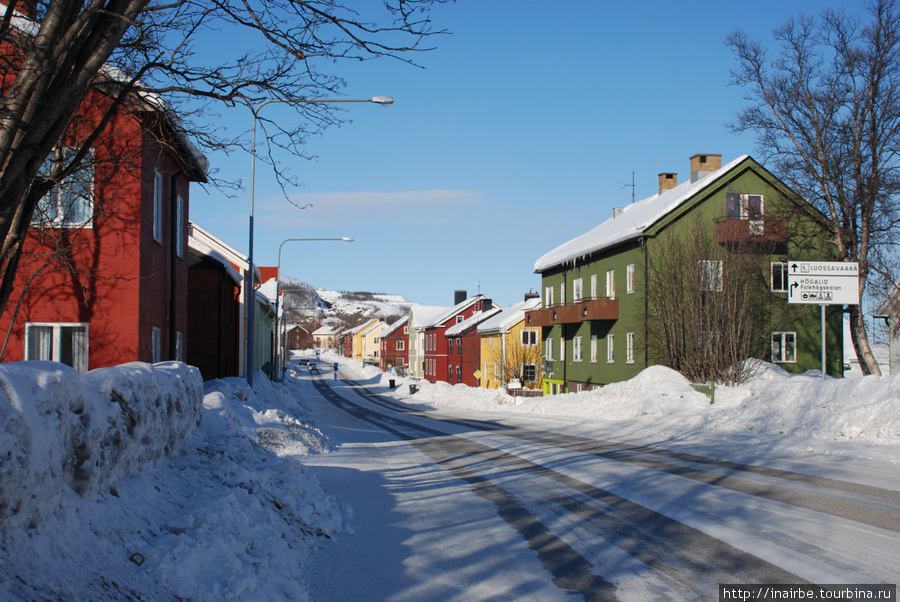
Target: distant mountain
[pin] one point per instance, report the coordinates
(347, 309)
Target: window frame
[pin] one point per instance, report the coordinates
(72, 183)
(711, 280)
(529, 337)
(782, 266)
(610, 348)
(158, 191)
(79, 363)
(784, 347)
(629, 279)
(577, 349)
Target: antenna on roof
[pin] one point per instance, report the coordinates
(624, 185)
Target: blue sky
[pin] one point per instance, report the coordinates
(520, 133)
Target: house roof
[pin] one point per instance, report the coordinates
(471, 322)
(633, 221)
(206, 251)
(392, 328)
(449, 313)
(327, 331)
(421, 315)
(509, 317)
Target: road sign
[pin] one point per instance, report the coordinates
(823, 282)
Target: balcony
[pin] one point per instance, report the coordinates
(583, 311)
(745, 231)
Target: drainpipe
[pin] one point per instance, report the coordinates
(173, 265)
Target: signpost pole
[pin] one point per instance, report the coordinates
(823, 340)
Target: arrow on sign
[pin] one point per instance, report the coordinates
(794, 267)
(793, 286)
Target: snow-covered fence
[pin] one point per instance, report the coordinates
(60, 429)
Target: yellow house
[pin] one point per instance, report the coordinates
(509, 350)
(369, 344)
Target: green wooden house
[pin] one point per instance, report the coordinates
(606, 292)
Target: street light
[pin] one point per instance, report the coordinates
(279, 359)
(248, 279)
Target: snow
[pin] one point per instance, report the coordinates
(141, 481)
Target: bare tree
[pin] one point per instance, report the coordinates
(704, 302)
(511, 358)
(175, 59)
(826, 113)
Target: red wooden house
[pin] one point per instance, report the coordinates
(395, 347)
(435, 340)
(104, 274)
(464, 348)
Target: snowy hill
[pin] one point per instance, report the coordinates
(337, 308)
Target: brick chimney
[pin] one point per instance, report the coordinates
(667, 181)
(703, 165)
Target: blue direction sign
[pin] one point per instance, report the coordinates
(823, 282)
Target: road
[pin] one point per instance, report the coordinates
(456, 505)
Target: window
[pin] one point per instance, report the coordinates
(548, 349)
(576, 349)
(157, 344)
(610, 348)
(179, 346)
(70, 203)
(529, 337)
(530, 373)
(548, 296)
(496, 371)
(629, 348)
(459, 374)
(406, 329)
(779, 277)
(577, 290)
(710, 275)
(610, 284)
(179, 228)
(748, 207)
(460, 319)
(401, 345)
(562, 293)
(66, 343)
(594, 348)
(784, 347)
(593, 286)
(629, 278)
(158, 185)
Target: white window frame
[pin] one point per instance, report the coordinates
(593, 349)
(548, 349)
(529, 337)
(530, 369)
(577, 349)
(780, 266)
(629, 279)
(710, 275)
(158, 192)
(548, 296)
(629, 347)
(610, 284)
(788, 352)
(610, 349)
(156, 345)
(179, 227)
(80, 362)
(577, 290)
(562, 293)
(400, 346)
(77, 185)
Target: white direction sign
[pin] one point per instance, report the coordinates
(823, 282)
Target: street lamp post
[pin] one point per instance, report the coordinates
(249, 277)
(279, 351)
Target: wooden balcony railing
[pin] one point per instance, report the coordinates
(582, 311)
(733, 231)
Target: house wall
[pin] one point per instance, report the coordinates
(213, 315)
(391, 356)
(119, 297)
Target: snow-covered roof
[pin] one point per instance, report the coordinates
(631, 222)
(421, 315)
(327, 331)
(202, 249)
(471, 322)
(391, 329)
(449, 313)
(509, 317)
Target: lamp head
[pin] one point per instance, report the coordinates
(383, 100)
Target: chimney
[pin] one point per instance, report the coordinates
(459, 296)
(531, 295)
(486, 304)
(703, 165)
(667, 181)
(617, 211)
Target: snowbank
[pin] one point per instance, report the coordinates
(61, 429)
